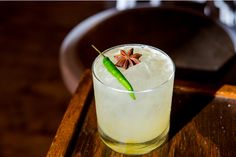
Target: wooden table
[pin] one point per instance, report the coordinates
(202, 124)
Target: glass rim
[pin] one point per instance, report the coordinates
(135, 91)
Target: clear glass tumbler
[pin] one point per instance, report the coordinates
(135, 126)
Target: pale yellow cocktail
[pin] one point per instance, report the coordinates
(134, 126)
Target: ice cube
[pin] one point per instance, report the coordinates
(153, 70)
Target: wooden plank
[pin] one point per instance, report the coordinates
(70, 120)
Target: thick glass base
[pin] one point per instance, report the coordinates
(134, 148)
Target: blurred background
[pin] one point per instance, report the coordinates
(33, 96)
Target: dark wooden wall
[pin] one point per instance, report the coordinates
(33, 97)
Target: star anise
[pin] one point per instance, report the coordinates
(127, 59)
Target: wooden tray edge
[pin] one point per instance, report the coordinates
(66, 130)
(72, 115)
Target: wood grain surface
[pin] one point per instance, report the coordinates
(202, 124)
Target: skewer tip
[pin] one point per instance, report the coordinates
(97, 50)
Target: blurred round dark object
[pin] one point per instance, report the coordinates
(194, 41)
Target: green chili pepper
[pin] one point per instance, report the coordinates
(116, 73)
